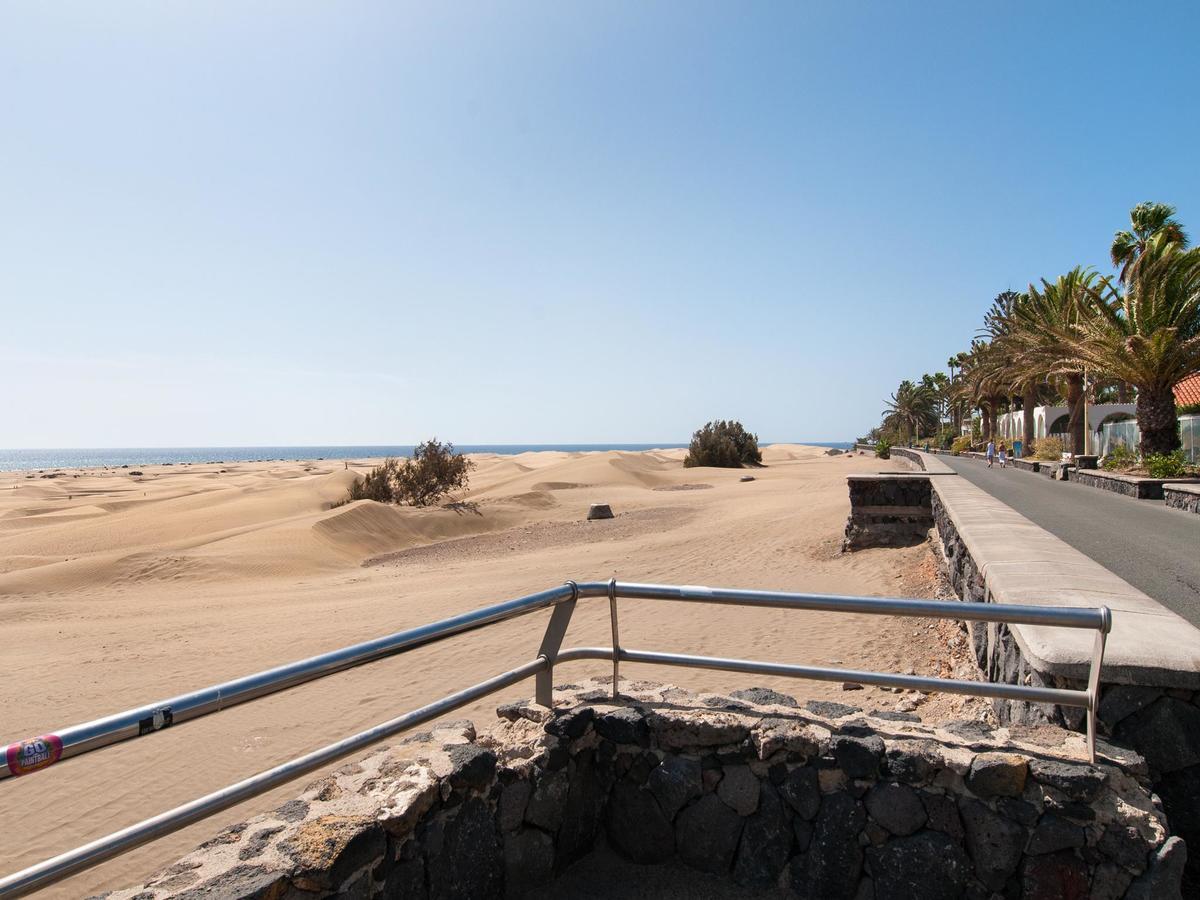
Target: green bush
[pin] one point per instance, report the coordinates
(725, 445)
(1048, 448)
(1166, 465)
(1120, 458)
(433, 471)
(960, 444)
(883, 448)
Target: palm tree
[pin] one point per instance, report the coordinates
(1147, 221)
(910, 408)
(981, 375)
(1041, 331)
(1148, 336)
(998, 325)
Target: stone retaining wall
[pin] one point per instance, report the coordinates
(1129, 485)
(1185, 497)
(820, 801)
(887, 510)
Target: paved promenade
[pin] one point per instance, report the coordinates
(1154, 548)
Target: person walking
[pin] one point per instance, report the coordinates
(1003, 456)
(991, 453)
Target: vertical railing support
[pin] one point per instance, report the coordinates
(1094, 683)
(552, 640)
(616, 639)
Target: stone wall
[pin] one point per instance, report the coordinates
(1126, 485)
(753, 790)
(1160, 723)
(887, 511)
(1185, 497)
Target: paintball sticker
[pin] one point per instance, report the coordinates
(160, 718)
(36, 753)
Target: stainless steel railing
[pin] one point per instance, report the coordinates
(33, 754)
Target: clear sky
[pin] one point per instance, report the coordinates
(265, 223)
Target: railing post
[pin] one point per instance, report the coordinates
(1094, 683)
(612, 614)
(552, 640)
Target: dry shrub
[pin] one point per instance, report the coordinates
(432, 472)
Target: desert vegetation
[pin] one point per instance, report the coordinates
(433, 472)
(723, 444)
(1079, 338)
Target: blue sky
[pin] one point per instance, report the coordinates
(267, 223)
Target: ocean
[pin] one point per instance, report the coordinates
(73, 458)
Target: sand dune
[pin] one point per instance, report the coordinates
(119, 589)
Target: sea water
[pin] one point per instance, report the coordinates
(74, 458)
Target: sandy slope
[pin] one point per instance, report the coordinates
(118, 589)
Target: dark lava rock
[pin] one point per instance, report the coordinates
(250, 882)
(1020, 811)
(943, 815)
(909, 766)
(513, 800)
(474, 766)
(1119, 701)
(293, 811)
(258, 842)
(740, 789)
(1053, 834)
(802, 791)
(1162, 880)
(970, 731)
(572, 723)
(927, 865)
(834, 856)
(1167, 733)
(1180, 792)
(803, 832)
(764, 697)
(624, 726)
(528, 861)
(674, 783)
(470, 863)
(994, 842)
(830, 710)
(548, 802)
(581, 813)
(896, 807)
(636, 825)
(1125, 845)
(706, 834)
(766, 843)
(892, 715)
(406, 878)
(858, 757)
(1077, 780)
(997, 775)
(1056, 876)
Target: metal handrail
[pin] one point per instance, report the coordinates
(93, 735)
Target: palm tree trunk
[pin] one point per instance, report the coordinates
(1122, 391)
(1158, 421)
(1028, 399)
(986, 409)
(1075, 407)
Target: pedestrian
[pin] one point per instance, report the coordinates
(991, 453)
(1003, 456)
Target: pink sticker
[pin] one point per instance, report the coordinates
(33, 754)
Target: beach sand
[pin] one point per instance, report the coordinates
(118, 589)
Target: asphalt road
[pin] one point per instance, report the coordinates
(1153, 547)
